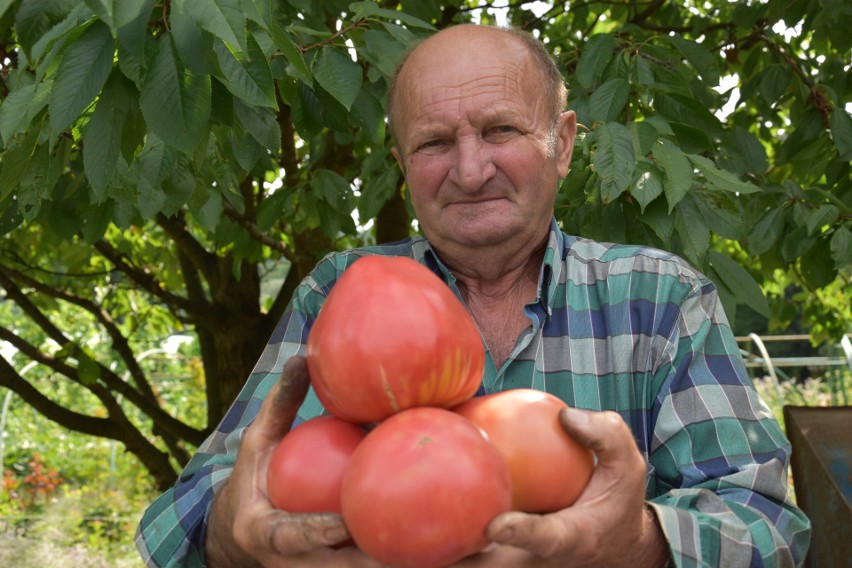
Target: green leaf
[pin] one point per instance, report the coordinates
(372, 9)
(841, 248)
(614, 160)
(660, 220)
(82, 72)
(796, 243)
(376, 192)
(15, 112)
(596, 55)
(4, 6)
(290, 51)
(818, 266)
(17, 158)
(678, 172)
(822, 217)
(382, 50)
(132, 20)
(644, 136)
(175, 102)
(88, 370)
(34, 18)
(774, 81)
(193, 45)
(723, 212)
(333, 189)
(152, 165)
(224, 19)
(271, 209)
(689, 111)
(117, 13)
(766, 232)
(647, 183)
(705, 61)
(744, 152)
(693, 231)
(206, 206)
(338, 75)
(841, 132)
(608, 100)
(740, 282)
(104, 132)
(368, 113)
(260, 123)
(248, 79)
(719, 178)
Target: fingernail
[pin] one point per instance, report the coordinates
(575, 416)
(503, 534)
(335, 534)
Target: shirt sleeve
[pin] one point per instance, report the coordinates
(718, 458)
(173, 529)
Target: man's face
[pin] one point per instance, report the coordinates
(477, 140)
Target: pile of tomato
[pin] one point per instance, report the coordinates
(417, 465)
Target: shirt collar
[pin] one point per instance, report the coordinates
(551, 267)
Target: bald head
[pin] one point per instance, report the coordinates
(469, 41)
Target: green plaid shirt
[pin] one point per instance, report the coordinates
(614, 327)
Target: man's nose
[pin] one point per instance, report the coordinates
(474, 164)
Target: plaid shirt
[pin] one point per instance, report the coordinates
(614, 327)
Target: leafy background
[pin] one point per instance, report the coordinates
(170, 169)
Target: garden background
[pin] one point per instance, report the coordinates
(170, 169)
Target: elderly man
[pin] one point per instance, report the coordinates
(691, 466)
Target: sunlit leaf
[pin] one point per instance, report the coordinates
(82, 73)
(176, 102)
(338, 75)
(678, 172)
(613, 160)
(719, 178)
(372, 9)
(706, 62)
(608, 100)
(597, 53)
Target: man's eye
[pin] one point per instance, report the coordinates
(432, 145)
(501, 131)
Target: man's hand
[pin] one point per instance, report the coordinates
(608, 525)
(244, 528)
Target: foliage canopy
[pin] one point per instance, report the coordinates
(177, 166)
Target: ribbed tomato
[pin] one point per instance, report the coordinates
(421, 489)
(307, 467)
(549, 468)
(390, 336)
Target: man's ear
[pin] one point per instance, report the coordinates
(398, 157)
(566, 132)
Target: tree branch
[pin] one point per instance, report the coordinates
(76, 421)
(204, 261)
(254, 231)
(143, 278)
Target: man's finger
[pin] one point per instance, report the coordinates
(279, 409)
(605, 433)
(294, 533)
(543, 535)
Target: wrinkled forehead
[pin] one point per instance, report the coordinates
(507, 82)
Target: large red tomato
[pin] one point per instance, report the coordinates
(390, 336)
(306, 470)
(549, 468)
(421, 489)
